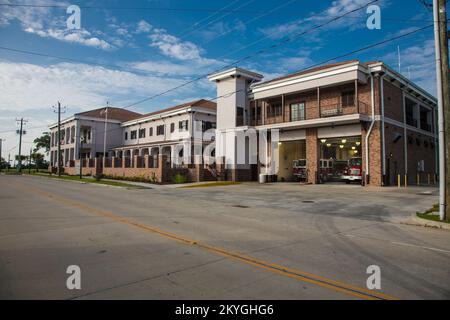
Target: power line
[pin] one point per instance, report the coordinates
(259, 52)
(323, 62)
(370, 46)
(206, 18)
(252, 20)
(57, 6)
(215, 20)
(427, 5)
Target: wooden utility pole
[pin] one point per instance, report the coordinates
(443, 92)
(20, 132)
(59, 139)
(446, 97)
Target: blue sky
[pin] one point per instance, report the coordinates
(131, 54)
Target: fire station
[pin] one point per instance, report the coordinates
(350, 122)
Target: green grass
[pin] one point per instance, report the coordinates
(90, 180)
(432, 214)
(212, 184)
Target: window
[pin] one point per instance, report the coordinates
(133, 135)
(160, 130)
(348, 98)
(275, 110)
(142, 133)
(183, 125)
(239, 117)
(172, 127)
(126, 135)
(425, 119)
(298, 111)
(409, 110)
(206, 125)
(150, 132)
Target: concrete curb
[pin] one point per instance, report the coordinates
(427, 223)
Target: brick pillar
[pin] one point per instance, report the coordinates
(135, 161)
(113, 162)
(146, 161)
(312, 155)
(199, 170)
(163, 167)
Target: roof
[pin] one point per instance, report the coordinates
(196, 103)
(306, 71)
(113, 114)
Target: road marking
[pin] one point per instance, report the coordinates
(334, 285)
(400, 243)
(422, 247)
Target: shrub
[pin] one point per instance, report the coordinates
(179, 178)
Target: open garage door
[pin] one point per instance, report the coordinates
(340, 159)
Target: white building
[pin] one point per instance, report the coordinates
(89, 125)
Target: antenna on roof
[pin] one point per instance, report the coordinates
(399, 60)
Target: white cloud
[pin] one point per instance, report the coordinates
(29, 86)
(417, 61)
(143, 27)
(173, 47)
(42, 22)
(338, 7)
(74, 36)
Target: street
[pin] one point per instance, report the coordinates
(248, 241)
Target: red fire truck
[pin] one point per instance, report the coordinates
(353, 171)
(299, 169)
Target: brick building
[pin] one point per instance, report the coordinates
(327, 117)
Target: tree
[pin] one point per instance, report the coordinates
(38, 159)
(42, 142)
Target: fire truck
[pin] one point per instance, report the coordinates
(353, 170)
(299, 169)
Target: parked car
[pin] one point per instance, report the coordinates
(353, 170)
(299, 169)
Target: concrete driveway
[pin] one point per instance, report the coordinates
(247, 241)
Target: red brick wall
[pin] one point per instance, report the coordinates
(393, 102)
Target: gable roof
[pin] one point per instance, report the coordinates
(113, 114)
(196, 103)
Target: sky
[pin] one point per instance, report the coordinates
(126, 52)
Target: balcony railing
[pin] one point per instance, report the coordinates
(309, 113)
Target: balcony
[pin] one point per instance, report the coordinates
(310, 113)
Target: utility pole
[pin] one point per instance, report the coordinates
(1, 161)
(106, 126)
(29, 162)
(20, 132)
(443, 92)
(59, 139)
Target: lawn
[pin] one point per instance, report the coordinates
(432, 214)
(89, 180)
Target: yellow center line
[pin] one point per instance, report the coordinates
(334, 285)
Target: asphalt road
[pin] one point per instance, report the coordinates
(237, 242)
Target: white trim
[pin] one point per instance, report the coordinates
(347, 119)
(354, 66)
(407, 126)
(168, 114)
(235, 72)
